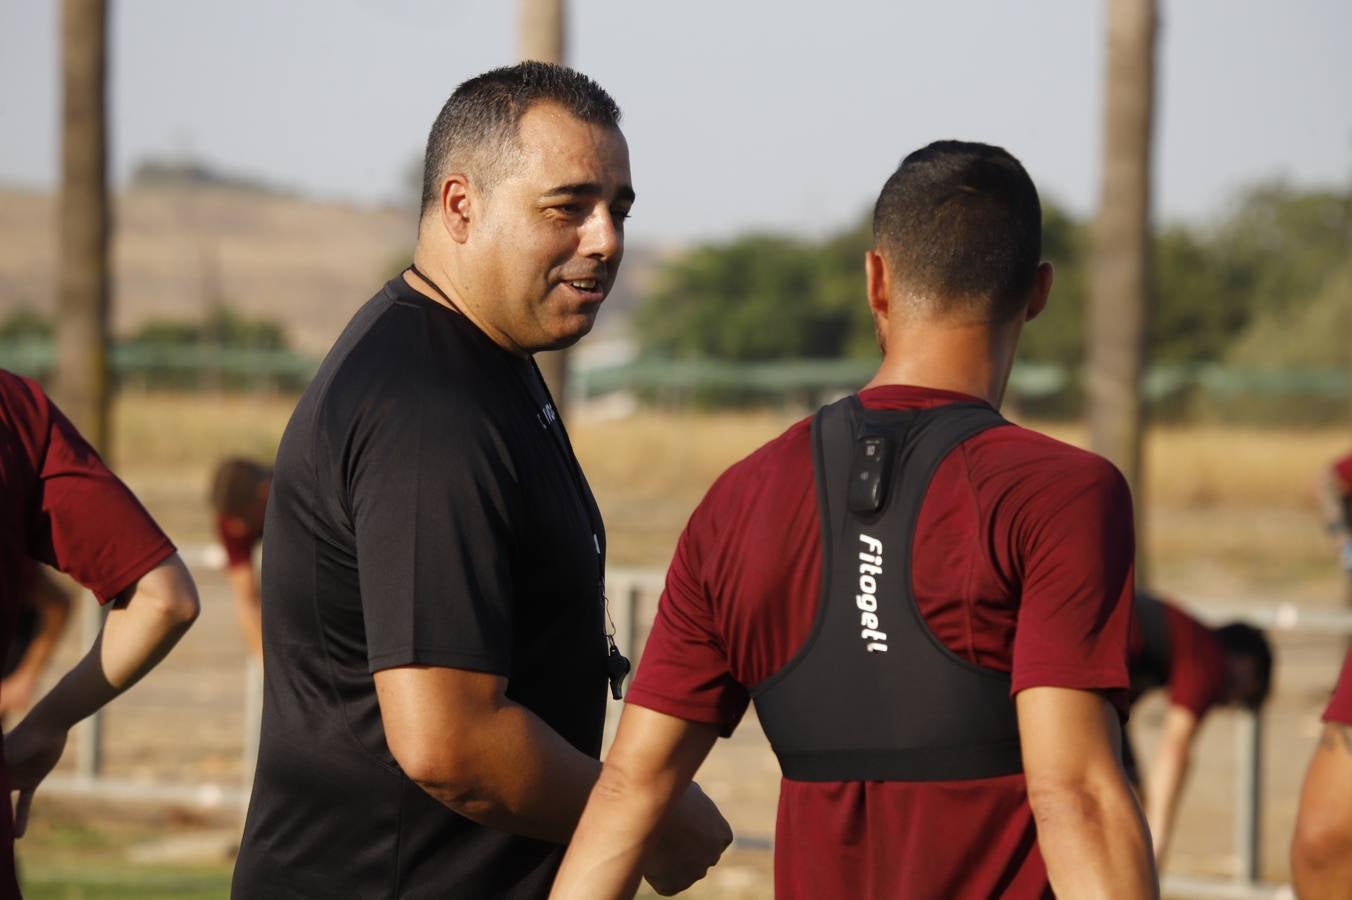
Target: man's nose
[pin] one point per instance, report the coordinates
(602, 236)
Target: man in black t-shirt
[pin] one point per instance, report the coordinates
(433, 569)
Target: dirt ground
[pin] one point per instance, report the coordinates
(1216, 533)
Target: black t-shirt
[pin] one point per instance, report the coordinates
(425, 509)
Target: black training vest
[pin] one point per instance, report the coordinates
(873, 695)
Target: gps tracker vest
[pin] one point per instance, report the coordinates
(873, 695)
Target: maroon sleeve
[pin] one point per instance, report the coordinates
(1340, 707)
(1077, 542)
(1197, 663)
(237, 541)
(684, 670)
(83, 521)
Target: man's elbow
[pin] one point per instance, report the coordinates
(169, 594)
(1058, 801)
(451, 777)
(178, 606)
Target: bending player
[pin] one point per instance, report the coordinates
(1202, 668)
(61, 506)
(1321, 850)
(239, 499)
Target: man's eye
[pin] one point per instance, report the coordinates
(619, 215)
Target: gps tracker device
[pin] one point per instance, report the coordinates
(869, 472)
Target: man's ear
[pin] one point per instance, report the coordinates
(1042, 287)
(456, 206)
(879, 281)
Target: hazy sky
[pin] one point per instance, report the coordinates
(739, 114)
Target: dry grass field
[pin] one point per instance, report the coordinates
(1231, 518)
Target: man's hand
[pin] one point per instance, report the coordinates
(644, 786)
(690, 845)
(31, 752)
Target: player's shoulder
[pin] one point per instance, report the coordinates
(411, 357)
(1039, 459)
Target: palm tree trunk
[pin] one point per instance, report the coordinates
(542, 38)
(83, 386)
(1120, 280)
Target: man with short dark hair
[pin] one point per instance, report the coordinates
(928, 605)
(434, 627)
(1201, 668)
(62, 507)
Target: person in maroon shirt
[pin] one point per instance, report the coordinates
(1321, 848)
(1019, 570)
(239, 498)
(59, 505)
(1200, 667)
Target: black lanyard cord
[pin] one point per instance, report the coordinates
(616, 664)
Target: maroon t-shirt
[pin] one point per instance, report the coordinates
(61, 506)
(1197, 664)
(1340, 707)
(1022, 563)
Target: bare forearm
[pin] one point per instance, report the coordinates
(1321, 849)
(619, 828)
(526, 778)
(1095, 844)
(248, 606)
(136, 635)
(1168, 771)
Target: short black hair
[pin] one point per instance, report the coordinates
(476, 128)
(1239, 639)
(960, 226)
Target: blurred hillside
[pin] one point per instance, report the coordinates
(187, 240)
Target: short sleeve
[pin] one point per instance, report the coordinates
(1078, 547)
(84, 521)
(1340, 707)
(684, 671)
(433, 498)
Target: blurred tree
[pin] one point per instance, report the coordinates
(83, 381)
(223, 327)
(761, 297)
(1120, 277)
(1058, 334)
(26, 324)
